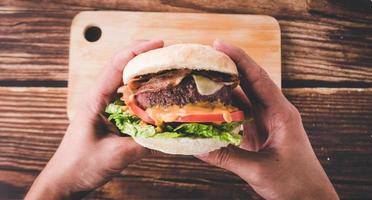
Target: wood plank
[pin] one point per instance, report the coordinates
(239, 6)
(34, 46)
(318, 44)
(33, 121)
(359, 10)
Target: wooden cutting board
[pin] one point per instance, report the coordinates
(96, 35)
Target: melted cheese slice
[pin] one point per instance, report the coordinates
(206, 86)
(171, 113)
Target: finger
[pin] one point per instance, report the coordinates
(108, 127)
(253, 139)
(241, 100)
(128, 151)
(250, 139)
(236, 160)
(131, 44)
(111, 77)
(255, 82)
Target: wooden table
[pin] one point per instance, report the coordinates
(327, 74)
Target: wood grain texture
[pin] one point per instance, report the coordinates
(323, 42)
(33, 121)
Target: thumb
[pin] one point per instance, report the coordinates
(128, 151)
(239, 161)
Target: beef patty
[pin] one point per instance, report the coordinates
(182, 94)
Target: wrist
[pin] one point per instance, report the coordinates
(314, 189)
(49, 184)
(321, 191)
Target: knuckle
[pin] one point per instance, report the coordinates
(295, 114)
(281, 117)
(116, 58)
(114, 146)
(222, 157)
(276, 121)
(259, 74)
(155, 153)
(93, 107)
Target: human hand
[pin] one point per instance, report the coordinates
(89, 154)
(276, 157)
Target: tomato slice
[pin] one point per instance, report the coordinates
(218, 117)
(140, 112)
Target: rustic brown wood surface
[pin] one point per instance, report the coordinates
(33, 121)
(325, 43)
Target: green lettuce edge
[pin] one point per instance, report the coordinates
(134, 126)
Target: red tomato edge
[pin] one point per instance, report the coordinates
(140, 113)
(236, 116)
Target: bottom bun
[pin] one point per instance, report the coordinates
(182, 146)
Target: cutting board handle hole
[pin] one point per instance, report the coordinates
(92, 33)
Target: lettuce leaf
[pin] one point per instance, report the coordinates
(128, 123)
(132, 125)
(222, 132)
(166, 135)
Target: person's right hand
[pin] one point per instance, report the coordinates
(276, 157)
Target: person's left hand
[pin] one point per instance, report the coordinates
(90, 154)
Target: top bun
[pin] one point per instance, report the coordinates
(179, 56)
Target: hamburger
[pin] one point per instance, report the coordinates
(177, 100)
